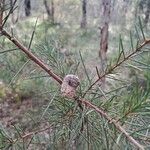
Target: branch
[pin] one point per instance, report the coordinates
(32, 56)
(102, 113)
(27, 135)
(118, 64)
(112, 121)
(35, 132)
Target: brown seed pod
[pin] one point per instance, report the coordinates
(69, 86)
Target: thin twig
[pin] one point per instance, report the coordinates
(33, 32)
(112, 121)
(27, 135)
(9, 50)
(1, 13)
(118, 64)
(35, 132)
(10, 11)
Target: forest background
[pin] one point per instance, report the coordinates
(106, 43)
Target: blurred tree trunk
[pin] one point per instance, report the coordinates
(144, 8)
(50, 10)
(2, 3)
(125, 10)
(147, 13)
(27, 5)
(105, 19)
(84, 20)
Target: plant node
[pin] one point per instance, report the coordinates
(69, 86)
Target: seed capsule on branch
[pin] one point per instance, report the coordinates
(69, 86)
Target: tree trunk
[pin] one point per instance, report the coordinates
(84, 20)
(124, 10)
(47, 8)
(105, 19)
(27, 5)
(147, 13)
(50, 10)
(2, 3)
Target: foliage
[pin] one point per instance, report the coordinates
(54, 122)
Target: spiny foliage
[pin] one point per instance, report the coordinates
(58, 123)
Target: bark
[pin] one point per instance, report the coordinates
(147, 13)
(50, 10)
(84, 14)
(105, 19)
(47, 8)
(125, 10)
(27, 5)
(104, 32)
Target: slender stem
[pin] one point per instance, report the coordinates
(35, 132)
(27, 135)
(1, 13)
